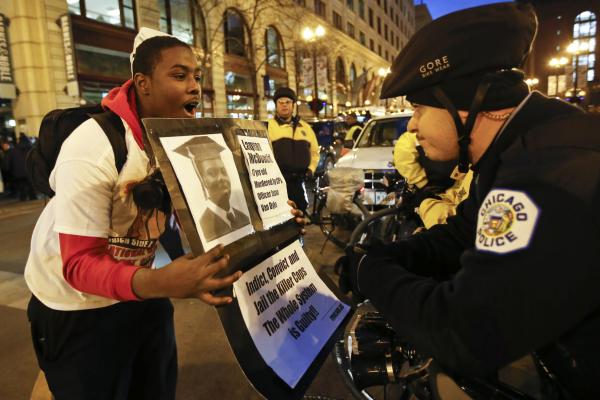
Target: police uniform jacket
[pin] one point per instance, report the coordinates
(295, 147)
(517, 269)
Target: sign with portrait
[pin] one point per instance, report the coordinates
(208, 176)
(226, 188)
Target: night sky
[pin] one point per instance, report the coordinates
(437, 8)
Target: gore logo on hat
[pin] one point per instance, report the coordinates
(433, 66)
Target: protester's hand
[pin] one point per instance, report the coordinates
(298, 216)
(187, 277)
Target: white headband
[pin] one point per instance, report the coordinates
(143, 35)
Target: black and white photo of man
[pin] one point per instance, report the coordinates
(220, 217)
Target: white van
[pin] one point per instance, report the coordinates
(373, 152)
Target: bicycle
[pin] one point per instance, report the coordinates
(375, 363)
(339, 228)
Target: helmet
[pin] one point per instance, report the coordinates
(470, 66)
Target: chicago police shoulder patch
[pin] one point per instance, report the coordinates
(506, 221)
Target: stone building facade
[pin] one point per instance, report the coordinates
(63, 53)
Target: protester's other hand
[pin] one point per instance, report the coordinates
(187, 277)
(298, 216)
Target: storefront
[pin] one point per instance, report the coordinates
(8, 89)
(98, 38)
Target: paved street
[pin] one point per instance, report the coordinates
(207, 367)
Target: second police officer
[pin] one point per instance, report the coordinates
(294, 145)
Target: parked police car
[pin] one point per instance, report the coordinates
(373, 152)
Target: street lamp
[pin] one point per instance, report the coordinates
(576, 48)
(312, 36)
(531, 82)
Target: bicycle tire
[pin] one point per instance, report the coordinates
(332, 225)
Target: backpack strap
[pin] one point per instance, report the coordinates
(113, 127)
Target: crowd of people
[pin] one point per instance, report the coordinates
(14, 182)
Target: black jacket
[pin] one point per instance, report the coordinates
(518, 268)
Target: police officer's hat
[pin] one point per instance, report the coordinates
(284, 92)
(462, 48)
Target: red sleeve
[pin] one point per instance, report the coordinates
(89, 268)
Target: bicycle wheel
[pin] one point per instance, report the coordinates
(336, 227)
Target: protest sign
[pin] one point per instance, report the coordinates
(268, 184)
(289, 312)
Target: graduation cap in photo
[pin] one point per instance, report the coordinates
(200, 148)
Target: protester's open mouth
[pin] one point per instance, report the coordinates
(190, 108)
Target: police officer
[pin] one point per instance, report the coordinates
(516, 270)
(354, 128)
(294, 145)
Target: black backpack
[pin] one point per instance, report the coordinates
(56, 126)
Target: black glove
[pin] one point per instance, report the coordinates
(422, 194)
(347, 267)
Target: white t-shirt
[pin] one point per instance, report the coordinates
(91, 199)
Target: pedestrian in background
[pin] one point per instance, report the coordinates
(17, 168)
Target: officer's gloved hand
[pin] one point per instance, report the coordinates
(348, 266)
(422, 194)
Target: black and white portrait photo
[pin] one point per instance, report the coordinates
(206, 171)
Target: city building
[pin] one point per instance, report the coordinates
(422, 15)
(563, 61)
(63, 53)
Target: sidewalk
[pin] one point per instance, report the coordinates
(10, 206)
(207, 366)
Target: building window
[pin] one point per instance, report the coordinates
(352, 75)
(350, 4)
(337, 20)
(371, 44)
(113, 12)
(385, 30)
(584, 33)
(371, 17)
(379, 49)
(361, 9)
(301, 3)
(379, 25)
(362, 39)
(235, 35)
(176, 19)
(350, 30)
(320, 8)
(387, 55)
(274, 45)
